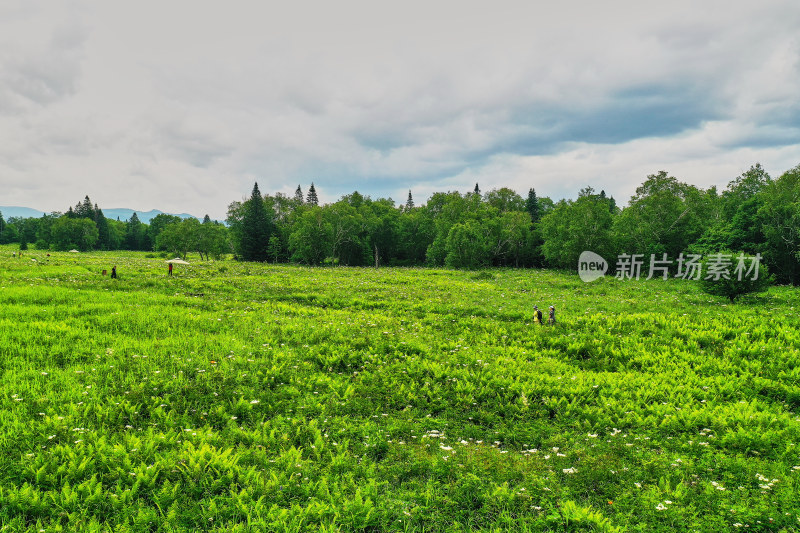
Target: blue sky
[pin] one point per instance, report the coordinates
(181, 106)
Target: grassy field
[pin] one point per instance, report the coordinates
(249, 397)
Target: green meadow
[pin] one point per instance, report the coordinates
(252, 397)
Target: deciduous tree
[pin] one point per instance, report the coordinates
(213, 241)
(573, 227)
(467, 246)
(309, 241)
(158, 223)
(664, 216)
(505, 200)
(69, 233)
(780, 218)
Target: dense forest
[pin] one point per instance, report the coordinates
(755, 214)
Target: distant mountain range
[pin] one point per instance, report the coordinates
(122, 214)
(144, 216)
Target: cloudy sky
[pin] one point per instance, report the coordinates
(182, 105)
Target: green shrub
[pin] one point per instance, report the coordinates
(744, 275)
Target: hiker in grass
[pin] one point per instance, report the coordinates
(552, 319)
(169, 270)
(114, 272)
(537, 315)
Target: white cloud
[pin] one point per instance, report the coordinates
(181, 106)
(693, 158)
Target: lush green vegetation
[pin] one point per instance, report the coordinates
(754, 215)
(249, 397)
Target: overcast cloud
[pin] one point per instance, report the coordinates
(181, 106)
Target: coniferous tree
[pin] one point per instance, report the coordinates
(298, 195)
(410, 201)
(311, 197)
(256, 228)
(206, 219)
(134, 233)
(103, 233)
(477, 190)
(532, 206)
(84, 209)
(738, 282)
(612, 204)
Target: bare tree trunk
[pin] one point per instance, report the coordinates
(376, 255)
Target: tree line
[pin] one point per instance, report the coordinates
(754, 214)
(84, 227)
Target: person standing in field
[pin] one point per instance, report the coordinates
(169, 270)
(114, 272)
(552, 319)
(537, 315)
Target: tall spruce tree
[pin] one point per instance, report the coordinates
(532, 206)
(311, 197)
(256, 228)
(134, 233)
(410, 201)
(477, 189)
(84, 209)
(298, 195)
(103, 233)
